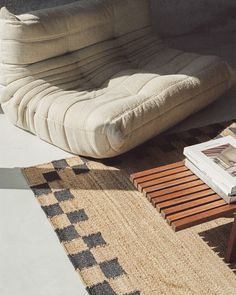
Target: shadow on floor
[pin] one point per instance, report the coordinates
(12, 178)
(72, 179)
(167, 148)
(161, 150)
(94, 179)
(217, 239)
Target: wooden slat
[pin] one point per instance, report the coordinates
(156, 170)
(203, 217)
(165, 179)
(169, 184)
(181, 197)
(183, 200)
(144, 179)
(189, 205)
(181, 193)
(170, 190)
(194, 211)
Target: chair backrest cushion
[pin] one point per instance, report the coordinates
(46, 33)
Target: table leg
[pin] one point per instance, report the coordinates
(231, 247)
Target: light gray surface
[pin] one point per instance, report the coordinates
(32, 261)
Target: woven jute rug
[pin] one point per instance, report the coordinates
(116, 241)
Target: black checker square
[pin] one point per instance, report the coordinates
(67, 234)
(60, 164)
(94, 240)
(41, 189)
(80, 169)
(101, 289)
(112, 268)
(51, 176)
(84, 259)
(63, 195)
(52, 210)
(77, 216)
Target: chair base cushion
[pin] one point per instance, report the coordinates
(105, 95)
(134, 106)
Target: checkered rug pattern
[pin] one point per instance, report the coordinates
(58, 185)
(63, 210)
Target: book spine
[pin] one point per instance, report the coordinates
(209, 182)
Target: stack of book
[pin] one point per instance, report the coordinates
(214, 162)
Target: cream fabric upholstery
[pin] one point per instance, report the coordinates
(91, 78)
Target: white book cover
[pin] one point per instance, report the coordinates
(217, 160)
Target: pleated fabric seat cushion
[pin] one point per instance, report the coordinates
(92, 78)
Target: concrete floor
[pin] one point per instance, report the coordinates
(32, 262)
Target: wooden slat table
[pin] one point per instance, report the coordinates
(180, 196)
(183, 199)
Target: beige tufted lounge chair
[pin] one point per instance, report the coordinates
(91, 78)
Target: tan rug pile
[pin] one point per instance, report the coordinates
(116, 240)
